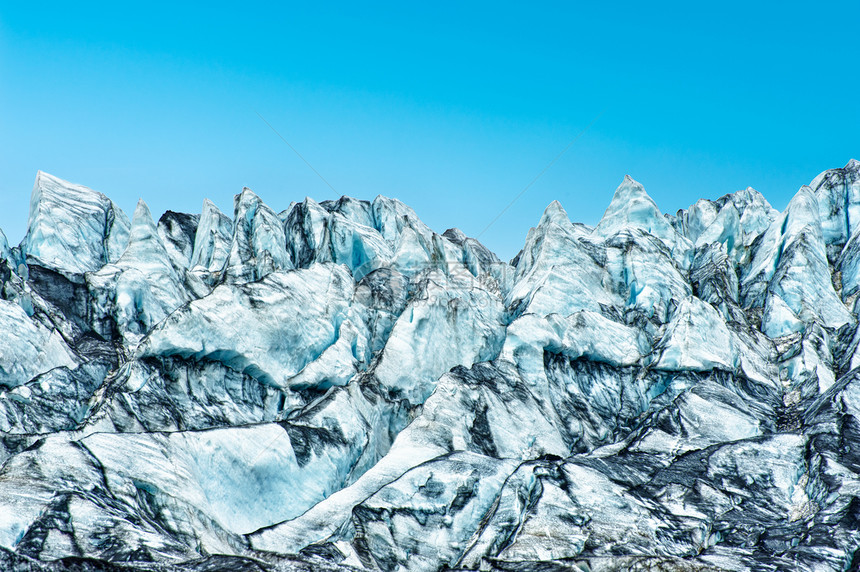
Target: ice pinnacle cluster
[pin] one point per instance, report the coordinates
(337, 387)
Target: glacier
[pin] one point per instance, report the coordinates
(336, 386)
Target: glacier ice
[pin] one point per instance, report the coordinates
(838, 194)
(259, 246)
(34, 349)
(559, 271)
(295, 317)
(211, 240)
(141, 288)
(336, 386)
(447, 325)
(73, 229)
(697, 339)
(632, 208)
(178, 232)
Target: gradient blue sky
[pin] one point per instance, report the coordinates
(451, 107)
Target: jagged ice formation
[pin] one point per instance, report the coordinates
(337, 387)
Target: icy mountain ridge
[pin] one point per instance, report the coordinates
(337, 385)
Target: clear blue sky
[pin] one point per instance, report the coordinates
(452, 107)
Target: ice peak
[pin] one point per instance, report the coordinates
(629, 197)
(141, 212)
(631, 188)
(309, 205)
(143, 227)
(145, 247)
(391, 216)
(554, 213)
(209, 206)
(750, 196)
(212, 239)
(211, 217)
(245, 199)
(47, 180)
(631, 206)
(852, 165)
(391, 200)
(395, 206)
(51, 183)
(43, 179)
(72, 228)
(258, 243)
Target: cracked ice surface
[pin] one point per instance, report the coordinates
(336, 386)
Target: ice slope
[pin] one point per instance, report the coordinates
(31, 348)
(296, 317)
(339, 387)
